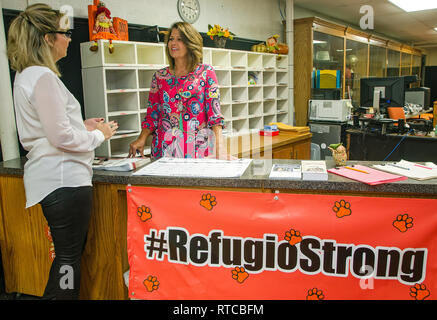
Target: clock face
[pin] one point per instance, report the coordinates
(189, 10)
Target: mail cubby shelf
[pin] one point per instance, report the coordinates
(254, 87)
(240, 126)
(269, 78)
(254, 61)
(239, 59)
(225, 95)
(223, 78)
(281, 62)
(269, 119)
(240, 111)
(255, 94)
(239, 94)
(239, 78)
(256, 109)
(226, 110)
(220, 58)
(149, 54)
(281, 117)
(145, 78)
(281, 78)
(282, 92)
(120, 79)
(269, 61)
(282, 106)
(256, 123)
(269, 107)
(122, 102)
(269, 92)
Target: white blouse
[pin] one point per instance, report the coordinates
(50, 127)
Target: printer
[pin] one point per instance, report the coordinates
(330, 110)
(420, 96)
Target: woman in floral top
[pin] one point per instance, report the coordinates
(183, 112)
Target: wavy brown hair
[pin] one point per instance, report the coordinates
(192, 40)
(27, 45)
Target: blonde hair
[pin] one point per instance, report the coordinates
(192, 40)
(26, 43)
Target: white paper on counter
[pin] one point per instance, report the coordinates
(196, 168)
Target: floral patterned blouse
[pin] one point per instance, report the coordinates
(182, 111)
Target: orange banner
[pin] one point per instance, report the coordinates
(196, 244)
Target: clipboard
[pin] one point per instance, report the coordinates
(369, 176)
(409, 169)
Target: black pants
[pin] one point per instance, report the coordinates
(67, 211)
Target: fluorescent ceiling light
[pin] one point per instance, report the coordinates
(318, 41)
(415, 5)
(435, 29)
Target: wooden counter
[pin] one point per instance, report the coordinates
(25, 247)
(286, 145)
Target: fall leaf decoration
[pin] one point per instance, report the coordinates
(217, 31)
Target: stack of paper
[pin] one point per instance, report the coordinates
(314, 170)
(203, 168)
(410, 169)
(366, 175)
(286, 171)
(128, 164)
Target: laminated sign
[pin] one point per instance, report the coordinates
(200, 244)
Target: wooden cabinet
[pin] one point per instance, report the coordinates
(285, 152)
(286, 145)
(323, 45)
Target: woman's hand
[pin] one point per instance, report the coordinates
(138, 145)
(91, 123)
(108, 129)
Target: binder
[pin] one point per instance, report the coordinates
(328, 79)
(371, 177)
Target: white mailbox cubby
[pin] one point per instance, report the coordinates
(121, 102)
(117, 86)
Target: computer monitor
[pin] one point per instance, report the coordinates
(392, 91)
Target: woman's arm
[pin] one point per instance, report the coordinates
(50, 104)
(149, 123)
(220, 145)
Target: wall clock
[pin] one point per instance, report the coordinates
(189, 10)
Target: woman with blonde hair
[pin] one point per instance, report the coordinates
(183, 111)
(60, 145)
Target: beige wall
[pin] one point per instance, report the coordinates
(431, 56)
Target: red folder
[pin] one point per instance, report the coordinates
(369, 176)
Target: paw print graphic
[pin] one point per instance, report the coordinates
(315, 294)
(403, 222)
(293, 237)
(239, 274)
(208, 201)
(151, 283)
(342, 208)
(419, 292)
(144, 213)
